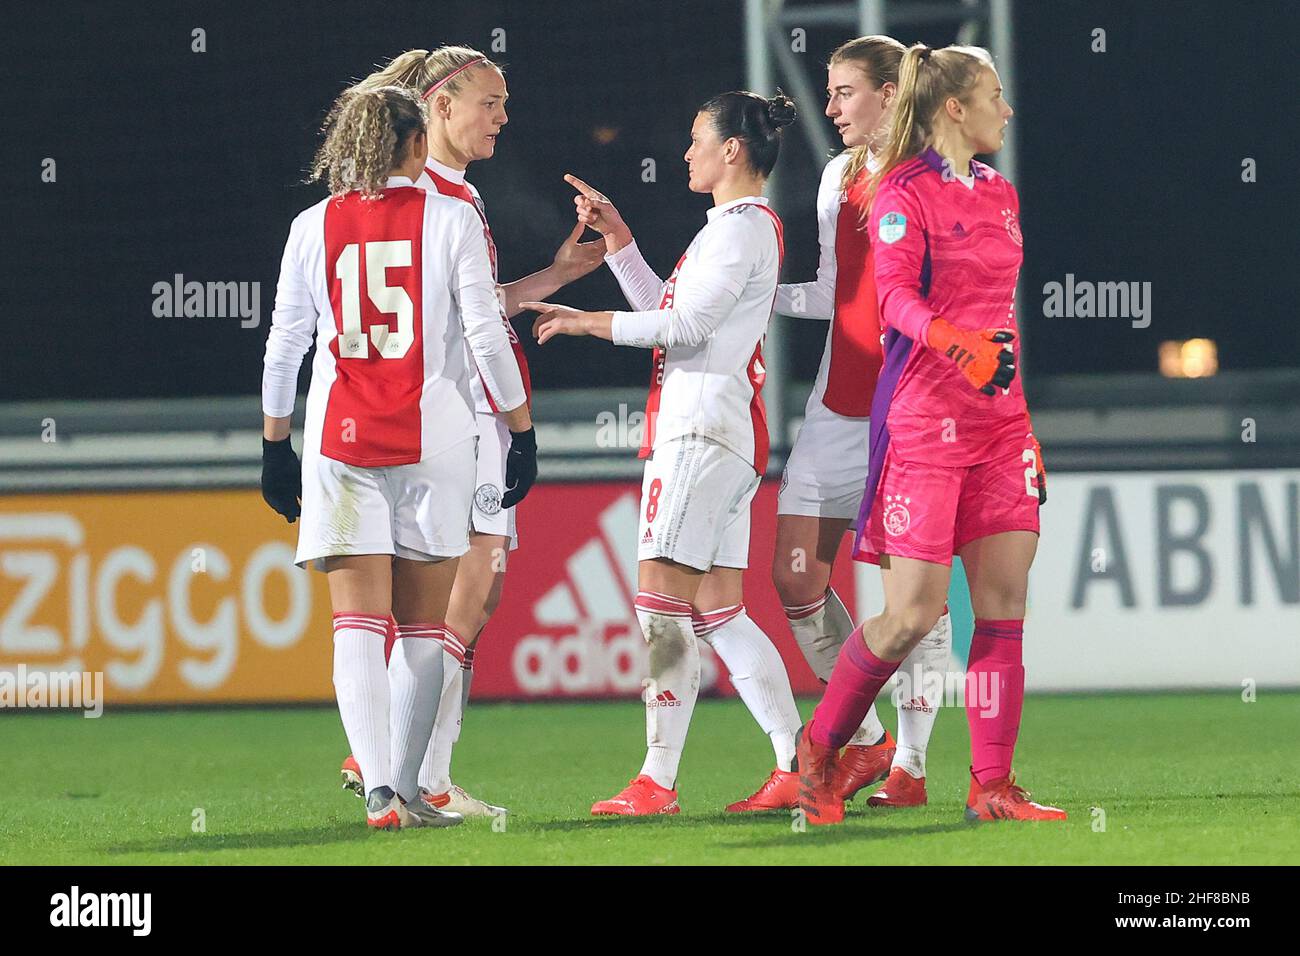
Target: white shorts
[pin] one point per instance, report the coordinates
(419, 511)
(493, 444)
(826, 472)
(695, 499)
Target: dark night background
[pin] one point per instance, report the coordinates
(177, 162)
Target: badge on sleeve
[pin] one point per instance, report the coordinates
(893, 226)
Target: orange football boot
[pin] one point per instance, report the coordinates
(818, 798)
(1002, 800)
(436, 800)
(861, 765)
(642, 797)
(351, 773)
(780, 791)
(901, 789)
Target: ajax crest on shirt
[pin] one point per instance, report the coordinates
(896, 517)
(487, 498)
(893, 226)
(1012, 222)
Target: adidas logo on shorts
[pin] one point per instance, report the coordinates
(666, 699)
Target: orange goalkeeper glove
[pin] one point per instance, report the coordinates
(984, 357)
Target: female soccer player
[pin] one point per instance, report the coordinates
(955, 469)
(466, 96)
(821, 489)
(396, 282)
(706, 434)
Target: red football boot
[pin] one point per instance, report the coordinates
(1003, 800)
(818, 798)
(642, 797)
(780, 791)
(862, 765)
(901, 789)
(351, 773)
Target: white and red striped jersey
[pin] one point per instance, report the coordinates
(451, 182)
(844, 292)
(706, 325)
(394, 289)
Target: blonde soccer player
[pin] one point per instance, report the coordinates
(395, 284)
(826, 472)
(958, 470)
(466, 95)
(705, 440)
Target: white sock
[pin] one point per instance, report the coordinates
(921, 694)
(435, 771)
(673, 684)
(361, 686)
(757, 673)
(820, 629)
(415, 682)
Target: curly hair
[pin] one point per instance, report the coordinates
(366, 132)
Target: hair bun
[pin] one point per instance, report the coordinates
(780, 111)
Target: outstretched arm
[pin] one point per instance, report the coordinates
(573, 260)
(727, 253)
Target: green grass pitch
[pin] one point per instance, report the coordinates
(1180, 778)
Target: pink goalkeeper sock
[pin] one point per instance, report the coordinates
(854, 684)
(995, 696)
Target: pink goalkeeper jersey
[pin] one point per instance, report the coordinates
(945, 248)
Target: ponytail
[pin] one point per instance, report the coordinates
(428, 71)
(926, 79)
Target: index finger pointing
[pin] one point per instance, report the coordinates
(583, 188)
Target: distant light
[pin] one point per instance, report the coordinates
(604, 135)
(1193, 358)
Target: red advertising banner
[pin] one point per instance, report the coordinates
(566, 627)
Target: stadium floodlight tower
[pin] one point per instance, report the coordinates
(770, 61)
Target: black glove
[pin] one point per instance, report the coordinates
(521, 467)
(281, 478)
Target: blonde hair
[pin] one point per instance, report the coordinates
(366, 133)
(926, 79)
(878, 58)
(428, 71)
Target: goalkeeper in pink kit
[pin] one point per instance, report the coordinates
(955, 468)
